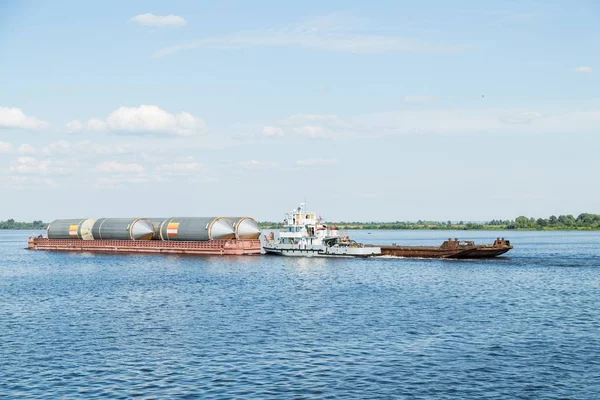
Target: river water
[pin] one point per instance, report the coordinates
(525, 326)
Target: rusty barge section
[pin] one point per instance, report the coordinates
(456, 249)
(210, 247)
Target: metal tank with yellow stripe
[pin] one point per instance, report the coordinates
(75, 228)
(196, 229)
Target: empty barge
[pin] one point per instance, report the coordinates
(451, 248)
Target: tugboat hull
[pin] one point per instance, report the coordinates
(324, 251)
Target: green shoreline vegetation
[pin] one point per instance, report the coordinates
(583, 222)
(12, 224)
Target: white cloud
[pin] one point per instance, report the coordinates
(30, 165)
(115, 167)
(96, 125)
(123, 180)
(34, 166)
(419, 99)
(60, 147)
(193, 171)
(441, 122)
(6, 147)
(313, 126)
(26, 181)
(525, 117)
(203, 179)
(85, 148)
(26, 149)
(144, 119)
(312, 162)
(586, 69)
(461, 122)
(159, 21)
(272, 131)
(311, 131)
(12, 117)
(315, 118)
(179, 167)
(258, 165)
(336, 32)
(74, 126)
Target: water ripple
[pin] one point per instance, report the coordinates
(98, 326)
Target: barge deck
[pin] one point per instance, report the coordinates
(449, 249)
(210, 247)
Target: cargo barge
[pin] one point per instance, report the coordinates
(174, 235)
(451, 248)
(209, 247)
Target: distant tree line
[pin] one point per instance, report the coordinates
(583, 221)
(12, 224)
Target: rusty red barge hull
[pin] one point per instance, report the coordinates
(211, 247)
(437, 252)
(450, 249)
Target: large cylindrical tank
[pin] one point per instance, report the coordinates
(156, 223)
(245, 227)
(77, 228)
(123, 229)
(196, 229)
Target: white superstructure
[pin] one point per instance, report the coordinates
(305, 235)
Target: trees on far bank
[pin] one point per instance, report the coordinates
(564, 222)
(583, 221)
(12, 224)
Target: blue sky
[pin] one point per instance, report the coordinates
(386, 111)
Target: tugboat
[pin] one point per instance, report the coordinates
(305, 235)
